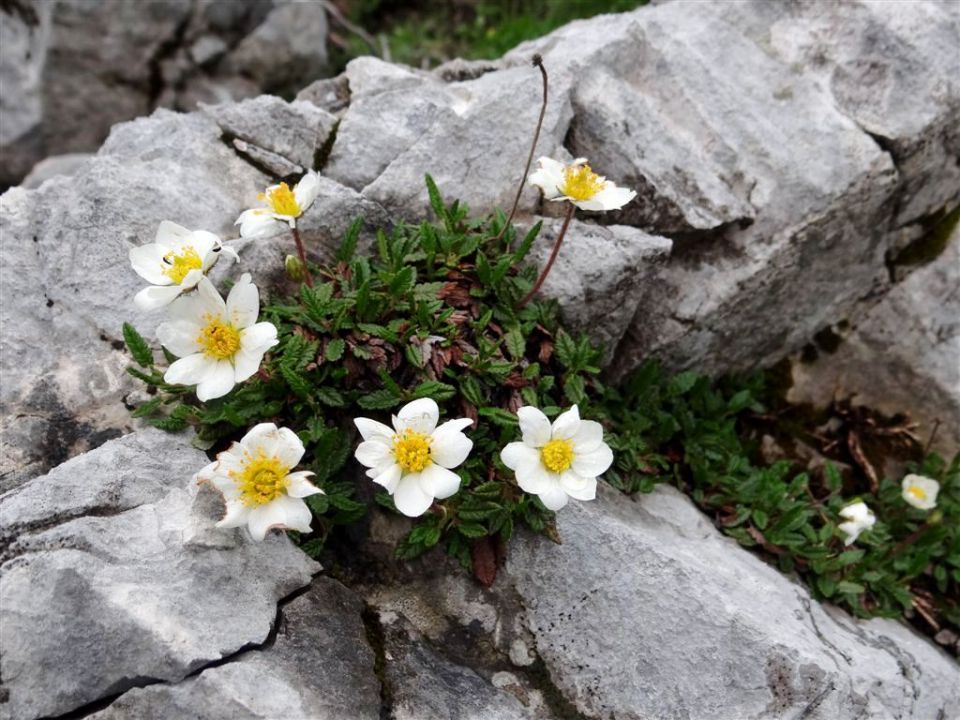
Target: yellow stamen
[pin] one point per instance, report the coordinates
(580, 182)
(262, 479)
(177, 265)
(411, 450)
(557, 455)
(281, 200)
(219, 340)
(917, 492)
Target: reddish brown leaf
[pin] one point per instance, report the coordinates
(484, 561)
(546, 351)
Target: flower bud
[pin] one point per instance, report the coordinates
(295, 269)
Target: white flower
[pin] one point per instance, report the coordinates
(174, 263)
(255, 478)
(577, 183)
(859, 518)
(413, 460)
(282, 205)
(920, 491)
(219, 343)
(559, 462)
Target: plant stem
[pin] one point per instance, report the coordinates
(303, 256)
(538, 63)
(553, 257)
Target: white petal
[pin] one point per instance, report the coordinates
(208, 300)
(207, 472)
(147, 262)
(170, 235)
(370, 429)
(203, 242)
(612, 197)
(534, 426)
(238, 514)
(258, 223)
(217, 383)
(246, 363)
(300, 486)
(189, 370)
(389, 478)
(373, 453)
(306, 190)
(243, 303)
(409, 496)
(284, 512)
(156, 296)
(289, 448)
(553, 497)
(439, 482)
(262, 438)
(450, 446)
(535, 478)
(517, 454)
(179, 337)
(258, 338)
(420, 415)
(191, 279)
(548, 177)
(588, 437)
(578, 487)
(567, 425)
(593, 464)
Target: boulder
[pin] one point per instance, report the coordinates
(318, 665)
(114, 577)
(901, 354)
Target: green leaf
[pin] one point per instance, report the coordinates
(527, 242)
(565, 349)
(515, 342)
(146, 408)
(852, 588)
(349, 245)
(436, 199)
(683, 383)
(137, 346)
(329, 396)
(574, 389)
(436, 390)
(499, 416)
(472, 530)
(334, 350)
(378, 400)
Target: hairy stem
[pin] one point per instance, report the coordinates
(537, 62)
(303, 256)
(553, 257)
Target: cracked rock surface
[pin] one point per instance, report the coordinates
(114, 577)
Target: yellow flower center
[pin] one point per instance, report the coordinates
(411, 450)
(557, 455)
(281, 200)
(580, 182)
(218, 339)
(262, 480)
(179, 264)
(918, 492)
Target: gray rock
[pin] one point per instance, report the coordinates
(319, 666)
(55, 165)
(692, 626)
(135, 584)
(903, 355)
(423, 685)
(296, 131)
(600, 275)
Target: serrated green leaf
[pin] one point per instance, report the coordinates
(334, 349)
(138, 347)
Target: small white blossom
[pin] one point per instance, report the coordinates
(561, 461)
(281, 205)
(414, 459)
(920, 491)
(859, 518)
(577, 183)
(219, 343)
(256, 479)
(174, 263)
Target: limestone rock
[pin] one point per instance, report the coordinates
(68, 164)
(902, 355)
(319, 666)
(132, 584)
(703, 628)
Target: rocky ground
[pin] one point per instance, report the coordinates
(793, 162)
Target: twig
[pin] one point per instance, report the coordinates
(538, 63)
(933, 435)
(335, 13)
(553, 257)
(303, 256)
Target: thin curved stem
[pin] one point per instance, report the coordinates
(537, 62)
(553, 257)
(303, 256)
